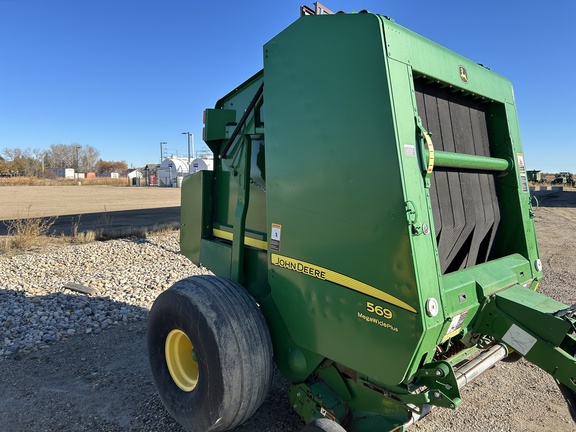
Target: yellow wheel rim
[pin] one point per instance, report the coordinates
(181, 360)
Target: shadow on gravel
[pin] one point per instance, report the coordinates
(555, 199)
(116, 220)
(146, 240)
(97, 381)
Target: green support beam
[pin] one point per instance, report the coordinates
(472, 162)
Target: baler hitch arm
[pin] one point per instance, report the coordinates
(537, 327)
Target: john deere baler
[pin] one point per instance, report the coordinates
(369, 224)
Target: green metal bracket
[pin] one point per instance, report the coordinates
(215, 121)
(536, 326)
(412, 216)
(442, 387)
(243, 174)
(256, 102)
(316, 401)
(331, 376)
(426, 151)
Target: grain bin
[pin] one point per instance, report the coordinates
(170, 169)
(200, 164)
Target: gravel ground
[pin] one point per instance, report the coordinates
(76, 362)
(35, 309)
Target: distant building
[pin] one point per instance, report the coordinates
(133, 173)
(63, 172)
(108, 175)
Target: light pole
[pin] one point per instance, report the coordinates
(77, 162)
(161, 154)
(190, 135)
(43, 156)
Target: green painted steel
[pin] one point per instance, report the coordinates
(335, 208)
(471, 162)
(328, 203)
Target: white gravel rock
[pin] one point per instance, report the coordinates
(127, 274)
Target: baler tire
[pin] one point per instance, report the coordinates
(210, 353)
(323, 425)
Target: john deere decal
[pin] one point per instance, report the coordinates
(463, 74)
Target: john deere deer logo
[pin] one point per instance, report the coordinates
(463, 74)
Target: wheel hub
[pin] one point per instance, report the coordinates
(181, 360)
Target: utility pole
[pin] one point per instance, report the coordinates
(77, 162)
(190, 135)
(161, 154)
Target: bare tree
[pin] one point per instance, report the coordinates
(61, 156)
(71, 156)
(88, 158)
(17, 161)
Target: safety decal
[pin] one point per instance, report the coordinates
(455, 325)
(336, 278)
(275, 234)
(521, 162)
(522, 169)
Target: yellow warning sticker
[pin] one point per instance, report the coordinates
(275, 234)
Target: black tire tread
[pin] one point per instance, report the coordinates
(323, 425)
(245, 348)
(228, 292)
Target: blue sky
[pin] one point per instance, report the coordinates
(124, 75)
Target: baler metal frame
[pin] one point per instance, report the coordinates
(453, 287)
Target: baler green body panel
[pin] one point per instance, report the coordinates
(370, 193)
(349, 211)
(341, 204)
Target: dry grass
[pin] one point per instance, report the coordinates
(27, 233)
(30, 234)
(77, 236)
(35, 181)
(143, 232)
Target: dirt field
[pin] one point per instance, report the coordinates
(91, 208)
(58, 389)
(36, 201)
